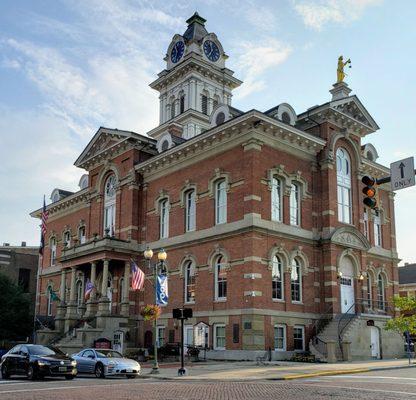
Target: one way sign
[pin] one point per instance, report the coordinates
(402, 174)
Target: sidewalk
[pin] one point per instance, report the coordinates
(279, 370)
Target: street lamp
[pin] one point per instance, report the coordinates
(161, 256)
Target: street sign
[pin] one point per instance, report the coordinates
(402, 174)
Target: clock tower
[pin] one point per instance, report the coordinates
(194, 83)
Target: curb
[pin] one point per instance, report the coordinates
(280, 378)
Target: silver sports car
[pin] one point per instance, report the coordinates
(102, 363)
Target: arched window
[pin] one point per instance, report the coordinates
(369, 292)
(172, 109)
(344, 186)
(49, 301)
(82, 235)
(377, 230)
(67, 239)
(204, 104)
(277, 279)
(53, 251)
(276, 199)
(164, 218)
(110, 205)
(294, 204)
(182, 103)
(381, 293)
(190, 208)
(189, 282)
(220, 202)
(296, 281)
(220, 278)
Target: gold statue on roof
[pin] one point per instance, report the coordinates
(340, 70)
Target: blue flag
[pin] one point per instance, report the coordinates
(162, 290)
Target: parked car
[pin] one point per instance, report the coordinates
(103, 362)
(37, 361)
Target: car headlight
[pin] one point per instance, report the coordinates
(73, 363)
(42, 363)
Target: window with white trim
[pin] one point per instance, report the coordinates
(160, 336)
(189, 282)
(53, 251)
(296, 281)
(277, 199)
(381, 293)
(220, 278)
(365, 223)
(280, 337)
(377, 230)
(369, 291)
(219, 337)
(344, 186)
(67, 239)
(82, 235)
(164, 218)
(190, 211)
(110, 205)
(299, 338)
(277, 278)
(294, 204)
(220, 202)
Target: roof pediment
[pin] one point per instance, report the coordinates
(352, 107)
(349, 236)
(107, 142)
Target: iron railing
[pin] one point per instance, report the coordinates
(72, 330)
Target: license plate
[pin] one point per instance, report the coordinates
(62, 369)
(129, 370)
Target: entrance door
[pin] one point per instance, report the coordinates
(347, 295)
(375, 342)
(188, 337)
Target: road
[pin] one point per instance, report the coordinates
(393, 384)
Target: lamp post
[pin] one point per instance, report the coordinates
(161, 256)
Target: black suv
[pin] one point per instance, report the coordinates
(36, 361)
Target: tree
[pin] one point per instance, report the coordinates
(15, 311)
(406, 320)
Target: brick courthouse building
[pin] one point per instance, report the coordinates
(260, 214)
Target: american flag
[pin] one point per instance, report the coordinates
(137, 279)
(44, 218)
(88, 288)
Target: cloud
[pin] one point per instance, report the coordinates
(255, 59)
(316, 14)
(260, 17)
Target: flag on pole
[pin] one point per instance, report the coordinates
(44, 218)
(137, 278)
(88, 289)
(162, 290)
(53, 295)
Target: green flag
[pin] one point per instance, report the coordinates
(54, 296)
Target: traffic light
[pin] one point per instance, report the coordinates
(369, 191)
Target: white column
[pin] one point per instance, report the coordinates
(92, 278)
(63, 285)
(72, 293)
(104, 283)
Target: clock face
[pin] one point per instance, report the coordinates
(211, 50)
(177, 51)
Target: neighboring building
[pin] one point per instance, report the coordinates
(20, 264)
(407, 280)
(260, 213)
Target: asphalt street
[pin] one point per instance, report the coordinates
(393, 384)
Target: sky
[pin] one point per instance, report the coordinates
(68, 67)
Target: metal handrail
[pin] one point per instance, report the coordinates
(56, 339)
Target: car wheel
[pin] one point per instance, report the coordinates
(69, 377)
(4, 372)
(99, 371)
(31, 374)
